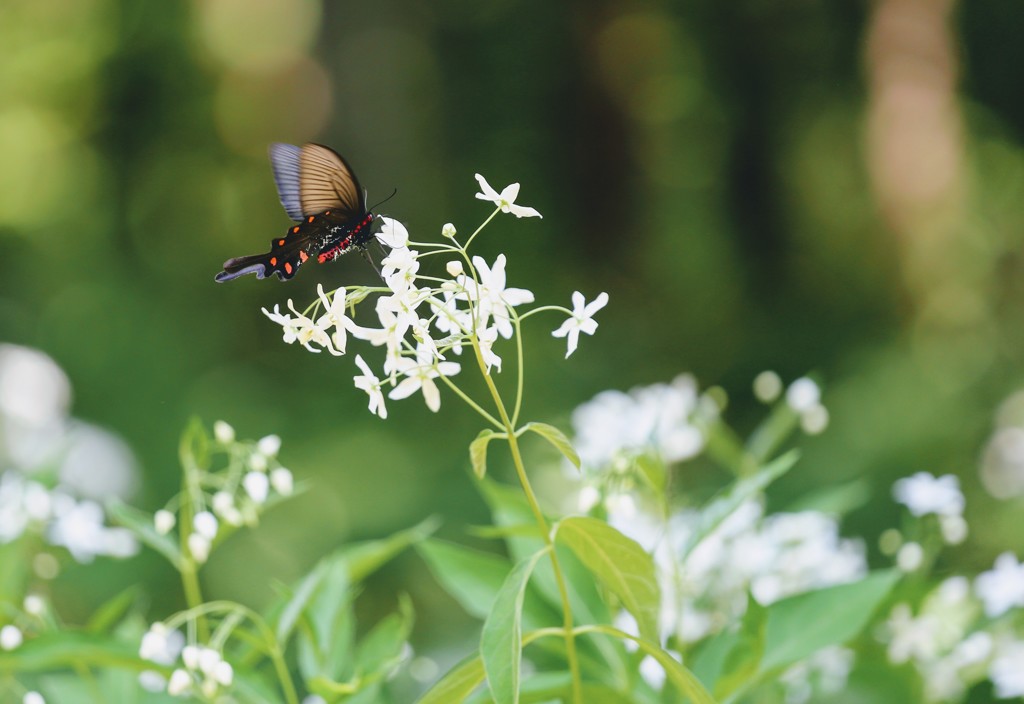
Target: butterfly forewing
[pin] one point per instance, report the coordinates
(284, 159)
(327, 183)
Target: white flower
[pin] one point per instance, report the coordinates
(303, 329)
(652, 672)
(814, 420)
(392, 233)
(163, 521)
(180, 683)
(420, 375)
(454, 268)
(335, 314)
(912, 639)
(258, 461)
(448, 230)
(767, 386)
(923, 493)
(582, 319)
(160, 644)
(1007, 671)
(206, 524)
(506, 199)
(256, 486)
(223, 432)
(588, 498)
(33, 698)
(492, 297)
(282, 481)
(224, 506)
(399, 268)
(209, 659)
(909, 557)
(269, 445)
(199, 546)
(223, 673)
(1002, 587)
(190, 656)
(803, 394)
(371, 385)
(487, 338)
(10, 637)
(954, 529)
(34, 605)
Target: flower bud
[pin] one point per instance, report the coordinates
(454, 268)
(163, 521)
(282, 481)
(448, 231)
(223, 432)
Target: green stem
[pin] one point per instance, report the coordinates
(476, 232)
(563, 592)
(189, 568)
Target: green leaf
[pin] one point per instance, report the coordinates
(472, 577)
(112, 611)
(772, 432)
(652, 470)
(458, 684)
(478, 452)
(676, 673)
(837, 500)
(734, 496)
(620, 563)
(557, 438)
(141, 524)
(501, 643)
(741, 663)
(381, 649)
(804, 624)
(51, 651)
(363, 559)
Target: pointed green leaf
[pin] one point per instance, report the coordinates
(141, 524)
(112, 611)
(458, 684)
(557, 438)
(501, 643)
(620, 563)
(804, 624)
(472, 577)
(478, 452)
(381, 649)
(734, 496)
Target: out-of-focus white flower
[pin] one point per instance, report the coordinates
(371, 385)
(33, 698)
(909, 557)
(1001, 588)
(160, 644)
(506, 199)
(224, 506)
(34, 605)
(223, 432)
(180, 683)
(803, 395)
(269, 445)
(79, 528)
(767, 386)
(163, 521)
(97, 464)
(587, 498)
(814, 420)
(582, 319)
(652, 672)
(190, 656)
(314, 699)
(1007, 671)
(827, 671)
(257, 486)
(223, 673)
(205, 523)
(282, 481)
(10, 637)
(954, 529)
(258, 461)
(924, 493)
(911, 638)
(34, 391)
(199, 547)
(209, 659)
(392, 233)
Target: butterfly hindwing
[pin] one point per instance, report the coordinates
(285, 257)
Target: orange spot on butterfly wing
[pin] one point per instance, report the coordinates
(303, 256)
(273, 261)
(288, 267)
(311, 219)
(294, 229)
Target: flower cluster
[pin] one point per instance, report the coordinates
(233, 496)
(421, 321)
(53, 468)
(803, 397)
(203, 670)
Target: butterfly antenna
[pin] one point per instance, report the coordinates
(374, 207)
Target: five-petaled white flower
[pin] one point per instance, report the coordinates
(493, 299)
(420, 374)
(582, 319)
(334, 312)
(506, 199)
(369, 383)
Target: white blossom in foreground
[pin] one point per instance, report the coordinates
(371, 385)
(1001, 588)
(582, 319)
(392, 233)
(924, 493)
(1007, 671)
(506, 199)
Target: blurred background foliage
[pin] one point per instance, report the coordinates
(793, 185)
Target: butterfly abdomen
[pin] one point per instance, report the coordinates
(346, 237)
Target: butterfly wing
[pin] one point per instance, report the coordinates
(284, 159)
(327, 183)
(285, 257)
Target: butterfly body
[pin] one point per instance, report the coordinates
(320, 193)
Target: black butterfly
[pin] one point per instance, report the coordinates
(320, 192)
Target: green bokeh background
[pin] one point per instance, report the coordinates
(826, 187)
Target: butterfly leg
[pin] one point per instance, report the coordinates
(369, 258)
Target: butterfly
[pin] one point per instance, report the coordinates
(320, 192)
